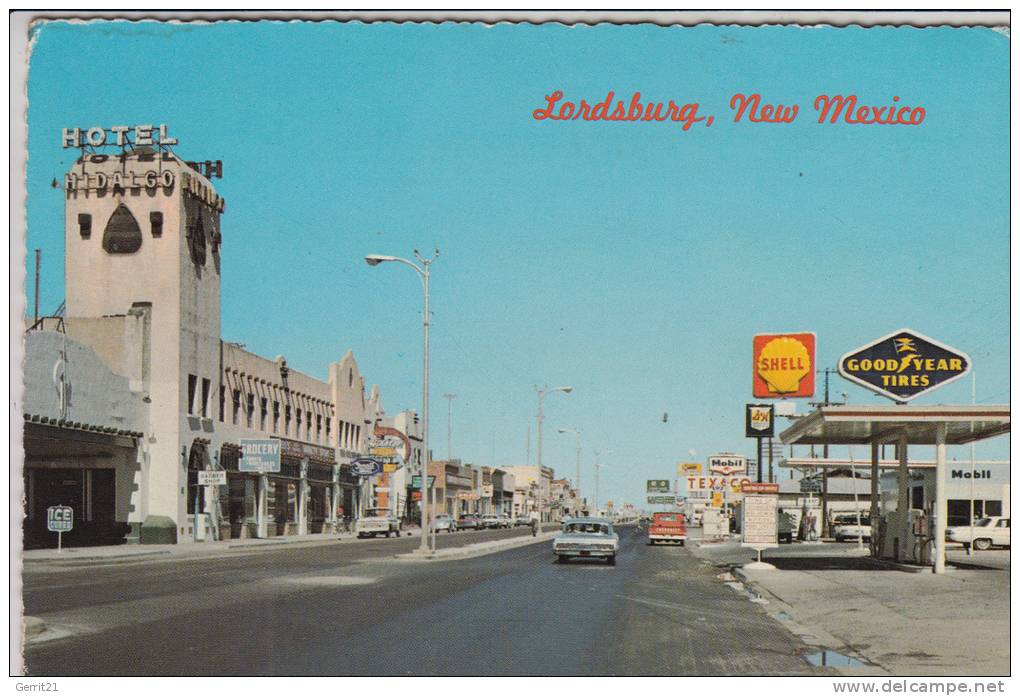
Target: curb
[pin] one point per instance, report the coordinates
(92, 560)
(473, 550)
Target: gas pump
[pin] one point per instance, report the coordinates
(922, 524)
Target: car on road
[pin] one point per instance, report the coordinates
(846, 528)
(377, 521)
(505, 521)
(988, 532)
(587, 537)
(522, 520)
(667, 526)
(490, 522)
(470, 521)
(443, 523)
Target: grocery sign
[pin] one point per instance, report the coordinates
(903, 365)
(759, 421)
(259, 456)
(727, 464)
(784, 365)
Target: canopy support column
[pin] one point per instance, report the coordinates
(874, 499)
(903, 499)
(941, 505)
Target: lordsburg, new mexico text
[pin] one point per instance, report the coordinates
(749, 108)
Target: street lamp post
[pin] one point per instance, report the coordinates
(577, 436)
(598, 466)
(423, 274)
(541, 417)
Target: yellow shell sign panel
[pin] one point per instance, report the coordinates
(784, 365)
(903, 365)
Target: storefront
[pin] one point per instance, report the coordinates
(80, 470)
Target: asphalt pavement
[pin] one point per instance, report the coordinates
(353, 609)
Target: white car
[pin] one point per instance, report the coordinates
(847, 529)
(443, 523)
(587, 537)
(988, 532)
(377, 521)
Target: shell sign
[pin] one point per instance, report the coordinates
(784, 365)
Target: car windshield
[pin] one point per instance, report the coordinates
(983, 523)
(587, 528)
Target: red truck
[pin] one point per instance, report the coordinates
(667, 526)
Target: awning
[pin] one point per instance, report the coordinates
(860, 425)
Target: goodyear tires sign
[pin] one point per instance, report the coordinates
(904, 365)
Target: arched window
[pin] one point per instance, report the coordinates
(122, 234)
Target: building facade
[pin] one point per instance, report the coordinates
(132, 392)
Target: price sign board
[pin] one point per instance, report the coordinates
(761, 521)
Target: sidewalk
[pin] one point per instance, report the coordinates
(201, 549)
(899, 623)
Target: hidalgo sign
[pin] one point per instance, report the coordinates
(903, 365)
(784, 365)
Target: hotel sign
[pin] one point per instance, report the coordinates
(903, 365)
(119, 136)
(784, 365)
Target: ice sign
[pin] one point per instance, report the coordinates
(59, 518)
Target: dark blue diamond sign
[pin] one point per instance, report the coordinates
(903, 365)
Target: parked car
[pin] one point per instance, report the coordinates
(490, 521)
(988, 532)
(587, 537)
(845, 528)
(443, 523)
(522, 520)
(667, 526)
(470, 521)
(503, 521)
(377, 521)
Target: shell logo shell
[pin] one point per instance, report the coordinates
(784, 365)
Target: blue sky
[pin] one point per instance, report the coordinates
(632, 261)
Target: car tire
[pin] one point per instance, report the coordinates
(982, 544)
(611, 560)
(682, 542)
(360, 535)
(561, 559)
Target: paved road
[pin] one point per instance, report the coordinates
(350, 609)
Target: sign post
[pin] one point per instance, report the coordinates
(59, 519)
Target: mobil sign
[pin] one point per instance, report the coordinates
(784, 365)
(727, 464)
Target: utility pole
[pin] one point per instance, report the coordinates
(825, 455)
(449, 424)
(38, 260)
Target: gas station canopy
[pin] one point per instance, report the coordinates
(859, 424)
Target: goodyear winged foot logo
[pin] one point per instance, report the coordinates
(903, 365)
